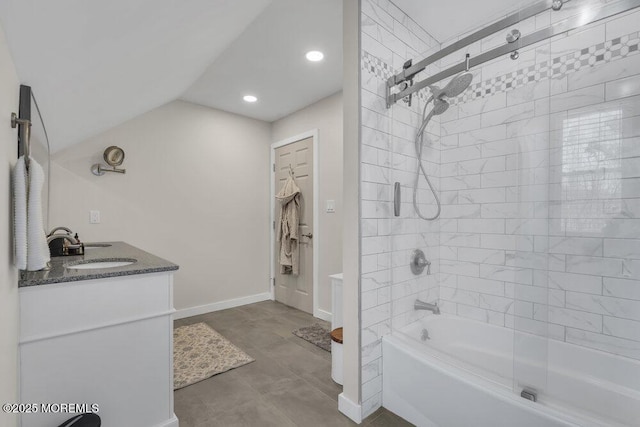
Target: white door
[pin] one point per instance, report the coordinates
(297, 290)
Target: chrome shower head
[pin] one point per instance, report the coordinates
(455, 87)
(440, 106)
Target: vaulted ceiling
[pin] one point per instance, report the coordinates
(268, 61)
(95, 64)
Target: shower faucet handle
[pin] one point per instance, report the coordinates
(418, 262)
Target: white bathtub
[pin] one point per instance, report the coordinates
(463, 376)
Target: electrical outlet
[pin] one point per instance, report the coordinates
(94, 217)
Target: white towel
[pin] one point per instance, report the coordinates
(37, 248)
(32, 251)
(20, 214)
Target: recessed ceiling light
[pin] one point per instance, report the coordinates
(315, 55)
(249, 98)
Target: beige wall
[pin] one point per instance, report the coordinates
(326, 116)
(9, 90)
(196, 192)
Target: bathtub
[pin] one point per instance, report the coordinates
(463, 376)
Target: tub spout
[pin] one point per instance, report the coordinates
(421, 305)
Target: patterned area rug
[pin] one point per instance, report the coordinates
(199, 352)
(316, 334)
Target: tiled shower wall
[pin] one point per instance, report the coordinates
(540, 180)
(389, 38)
(538, 168)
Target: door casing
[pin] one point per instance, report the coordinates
(317, 312)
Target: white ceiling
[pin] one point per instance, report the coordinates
(95, 64)
(444, 19)
(268, 61)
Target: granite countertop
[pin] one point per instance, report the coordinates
(58, 273)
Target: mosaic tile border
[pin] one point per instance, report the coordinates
(592, 56)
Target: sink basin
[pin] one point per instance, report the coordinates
(100, 263)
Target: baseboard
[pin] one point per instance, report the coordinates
(221, 305)
(171, 422)
(350, 409)
(322, 314)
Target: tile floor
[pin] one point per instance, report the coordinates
(289, 384)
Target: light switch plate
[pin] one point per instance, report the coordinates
(331, 206)
(94, 217)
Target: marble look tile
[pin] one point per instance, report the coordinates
(460, 182)
(508, 115)
(613, 70)
(371, 352)
(589, 36)
(622, 328)
(481, 195)
(575, 282)
(533, 294)
(459, 296)
(529, 92)
(507, 274)
(577, 98)
(460, 239)
(480, 136)
(482, 315)
(459, 267)
(498, 179)
(527, 226)
(482, 105)
(481, 255)
(486, 225)
(370, 405)
(621, 288)
(495, 303)
(622, 26)
(594, 265)
(525, 259)
(622, 88)
(461, 212)
(375, 280)
(375, 315)
(616, 307)
(485, 286)
(575, 319)
(507, 242)
(492, 164)
(622, 248)
(576, 246)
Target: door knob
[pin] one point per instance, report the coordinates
(309, 235)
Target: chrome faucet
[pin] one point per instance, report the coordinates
(72, 240)
(61, 244)
(421, 305)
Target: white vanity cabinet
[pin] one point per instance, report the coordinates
(103, 341)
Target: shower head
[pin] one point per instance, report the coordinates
(440, 106)
(455, 87)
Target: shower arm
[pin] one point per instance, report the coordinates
(555, 29)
